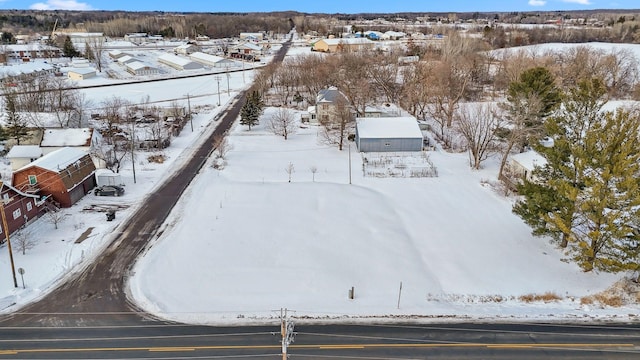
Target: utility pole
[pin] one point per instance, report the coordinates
(6, 234)
(218, 81)
(349, 144)
(133, 158)
(286, 329)
(228, 76)
(189, 109)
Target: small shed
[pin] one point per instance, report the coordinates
(388, 134)
(522, 165)
(81, 73)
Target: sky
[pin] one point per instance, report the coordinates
(327, 6)
(244, 241)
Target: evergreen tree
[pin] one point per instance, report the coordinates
(252, 109)
(15, 127)
(549, 204)
(609, 205)
(68, 49)
(587, 196)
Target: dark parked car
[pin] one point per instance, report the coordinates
(109, 190)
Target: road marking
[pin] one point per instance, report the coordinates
(172, 349)
(323, 347)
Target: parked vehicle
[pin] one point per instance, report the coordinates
(109, 190)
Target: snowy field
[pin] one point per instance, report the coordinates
(244, 241)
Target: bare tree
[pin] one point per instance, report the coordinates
(94, 49)
(24, 241)
(289, 170)
(55, 216)
(478, 124)
(282, 123)
(221, 146)
(314, 170)
(336, 129)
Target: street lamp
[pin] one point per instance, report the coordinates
(5, 228)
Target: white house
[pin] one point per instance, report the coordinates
(21, 155)
(178, 63)
(85, 139)
(186, 49)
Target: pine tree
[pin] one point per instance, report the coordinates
(587, 196)
(609, 205)
(15, 127)
(252, 109)
(549, 205)
(68, 49)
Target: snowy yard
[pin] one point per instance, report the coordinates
(245, 242)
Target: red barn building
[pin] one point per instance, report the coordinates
(65, 175)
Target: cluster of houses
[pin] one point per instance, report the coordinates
(51, 169)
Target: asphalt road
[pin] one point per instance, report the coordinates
(435, 341)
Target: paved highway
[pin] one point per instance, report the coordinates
(436, 341)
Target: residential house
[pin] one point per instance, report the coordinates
(21, 155)
(330, 103)
(252, 36)
(19, 209)
(186, 49)
(28, 52)
(84, 139)
(388, 134)
(64, 175)
(247, 51)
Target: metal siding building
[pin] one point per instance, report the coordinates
(388, 134)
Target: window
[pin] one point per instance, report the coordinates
(16, 214)
(29, 206)
(5, 197)
(33, 180)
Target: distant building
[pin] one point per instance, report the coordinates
(178, 63)
(81, 73)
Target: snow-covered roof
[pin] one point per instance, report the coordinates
(126, 59)
(330, 94)
(349, 41)
(24, 151)
(82, 71)
(24, 68)
(200, 56)
(529, 159)
(250, 46)
(66, 137)
(137, 65)
(57, 160)
(388, 127)
(174, 59)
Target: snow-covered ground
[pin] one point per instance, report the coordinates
(244, 241)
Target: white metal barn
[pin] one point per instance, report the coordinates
(178, 62)
(212, 60)
(388, 134)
